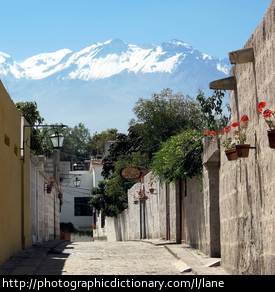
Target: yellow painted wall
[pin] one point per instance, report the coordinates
(14, 182)
(26, 193)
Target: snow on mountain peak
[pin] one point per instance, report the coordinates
(4, 57)
(102, 60)
(45, 64)
(179, 43)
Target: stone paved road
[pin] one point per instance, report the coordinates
(110, 258)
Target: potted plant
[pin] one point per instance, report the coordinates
(230, 149)
(151, 189)
(240, 136)
(229, 145)
(269, 117)
(142, 196)
(49, 186)
(212, 135)
(136, 200)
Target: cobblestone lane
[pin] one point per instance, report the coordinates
(110, 258)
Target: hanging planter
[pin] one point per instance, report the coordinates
(240, 136)
(49, 188)
(143, 199)
(231, 154)
(269, 117)
(151, 190)
(243, 150)
(271, 138)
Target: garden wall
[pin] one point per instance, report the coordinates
(247, 185)
(45, 207)
(174, 212)
(130, 224)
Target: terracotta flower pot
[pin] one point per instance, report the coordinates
(271, 138)
(231, 154)
(151, 190)
(49, 189)
(243, 150)
(143, 199)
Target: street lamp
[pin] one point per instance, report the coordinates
(57, 140)
(77, 182)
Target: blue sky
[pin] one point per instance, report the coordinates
(214, 27)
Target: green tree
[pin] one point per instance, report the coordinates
(96, 143)
(30, 112)
(179, 157)
(166, 136)
(164, 115)
(125, 148)
(110, 197)
(212, 110)
(76, 143)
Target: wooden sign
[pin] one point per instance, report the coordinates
(130, 172)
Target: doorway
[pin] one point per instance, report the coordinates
(214, 210)
(182, 194)
(167, 211)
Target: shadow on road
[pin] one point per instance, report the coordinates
(55, 260)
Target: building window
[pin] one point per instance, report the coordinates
(82, 206)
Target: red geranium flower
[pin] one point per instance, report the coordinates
(261, 105)
(213, 133)
(222, 131)
(206, 133)
(267, 113)
(244, 118)
(235, 124)
(227, 129)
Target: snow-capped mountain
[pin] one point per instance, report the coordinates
(103, 60)
(114, 71)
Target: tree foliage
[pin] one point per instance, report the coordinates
(179, 157)
(76, 147)
(97, 141)
(212, 110)
(126, 148)
(110, 197)
(164, 115)
(30, 112)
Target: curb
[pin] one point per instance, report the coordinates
(196, 261)
(183, 266)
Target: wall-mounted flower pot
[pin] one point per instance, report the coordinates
(143, 199)
(49, 189)
(271, 138)
(151, 190)
(135, 202)
(243, 150)
(231, 154)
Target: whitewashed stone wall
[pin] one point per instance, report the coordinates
(130, 224)
(45, 208)
(127, 226)
(247, 186)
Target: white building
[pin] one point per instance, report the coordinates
(76, 208)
